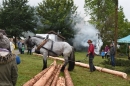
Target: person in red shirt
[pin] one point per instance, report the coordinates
(91, 56)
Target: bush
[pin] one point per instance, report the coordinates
(119, 62)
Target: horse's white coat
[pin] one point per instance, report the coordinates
(58, 47)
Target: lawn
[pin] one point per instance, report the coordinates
(32, 65)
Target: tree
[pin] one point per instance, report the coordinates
(17, 17)
(116, 23)
(57, 15)
(103, 17)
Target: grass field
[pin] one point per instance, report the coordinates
(32, 65)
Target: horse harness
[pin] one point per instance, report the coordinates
(49, 50)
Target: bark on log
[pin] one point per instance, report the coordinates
(49, 82)
(82, 64)
(68, 79)
(42, 81)
(118, 73)
(56, 76)
(32, 81)
(61, 82)
(56, 58)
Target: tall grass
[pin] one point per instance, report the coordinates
(32, 65)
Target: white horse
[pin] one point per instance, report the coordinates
(48, 47)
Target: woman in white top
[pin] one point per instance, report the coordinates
(12, 46)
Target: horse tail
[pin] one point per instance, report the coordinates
(71, 60)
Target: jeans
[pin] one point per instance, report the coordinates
(91, 65)
(20, 50)
(112, 60)
(29, 51)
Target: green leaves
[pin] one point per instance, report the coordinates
(56, 15)
(17, 16)
(103, 17)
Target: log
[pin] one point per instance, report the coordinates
(118, 73)
(56, 76)
(52, 77)
(42, 81)
(56, 58)
(61, 82)
(82, 64)
(68, 79)
(32, 81)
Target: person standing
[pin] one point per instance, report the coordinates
(91, 56)
(20, 46)
(8, 65)
(29, 47)
(23, 48)
(106, 49)
(108, 53)
(112, 54)
(12, 46)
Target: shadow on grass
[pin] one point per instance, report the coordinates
(121, 65)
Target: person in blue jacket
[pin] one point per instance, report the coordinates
(102, 54)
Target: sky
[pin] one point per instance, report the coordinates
(80, 3)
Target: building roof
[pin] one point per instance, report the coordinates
(53, 32)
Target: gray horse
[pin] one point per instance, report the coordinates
(48, 47)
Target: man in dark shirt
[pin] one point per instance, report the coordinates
(112, 54)
(91, 56)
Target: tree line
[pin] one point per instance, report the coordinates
(17, 16)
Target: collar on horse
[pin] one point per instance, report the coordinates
(41, 45)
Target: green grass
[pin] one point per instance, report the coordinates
(32, 65)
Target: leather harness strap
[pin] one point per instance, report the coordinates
(41, 45)
(44, 42)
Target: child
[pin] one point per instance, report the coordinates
(23, 48)
(103, 54)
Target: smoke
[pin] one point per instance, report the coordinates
(86, 31)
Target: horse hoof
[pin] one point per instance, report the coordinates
(62, 69)
(70, 69)
(43, 68)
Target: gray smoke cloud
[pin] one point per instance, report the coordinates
(86, 31)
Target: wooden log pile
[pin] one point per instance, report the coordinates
(51, 77)
(114, 72)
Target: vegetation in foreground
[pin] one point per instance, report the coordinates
(32, 65)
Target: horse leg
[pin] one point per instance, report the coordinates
(44, 64)
(71, 60)
(44, 61)
(65, 63)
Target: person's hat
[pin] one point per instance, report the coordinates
(89, 41)
(5, 42)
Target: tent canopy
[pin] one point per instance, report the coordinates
(124, 39)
